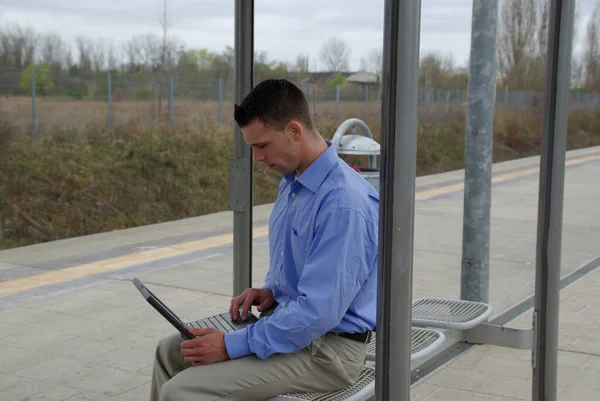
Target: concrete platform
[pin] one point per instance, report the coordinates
(72, 327)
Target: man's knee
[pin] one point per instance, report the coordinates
(168, 391)
(167, 345)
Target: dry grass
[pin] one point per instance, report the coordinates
(77, 178)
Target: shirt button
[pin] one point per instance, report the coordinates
(293, 194)
(276, 282)
(284, 303)
(281, 253)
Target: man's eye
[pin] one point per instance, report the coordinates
(262, 146)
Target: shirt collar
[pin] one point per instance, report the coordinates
(315, 174)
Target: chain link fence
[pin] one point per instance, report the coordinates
(33, 102)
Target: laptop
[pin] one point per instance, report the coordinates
(222, 321)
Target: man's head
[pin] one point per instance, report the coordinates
(275, 120)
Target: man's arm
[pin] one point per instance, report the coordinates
(338, 262)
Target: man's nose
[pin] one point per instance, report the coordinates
(257, 156)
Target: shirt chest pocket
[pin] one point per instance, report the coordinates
(299, 244)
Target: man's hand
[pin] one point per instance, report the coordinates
(261, 297)
(208, 347)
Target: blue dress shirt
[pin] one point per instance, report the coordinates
(323, 240)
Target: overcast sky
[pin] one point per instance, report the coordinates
(283, 28)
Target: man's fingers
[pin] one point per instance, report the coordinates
(252, 296)
(198, 333)
(194, 360)
(235, 305)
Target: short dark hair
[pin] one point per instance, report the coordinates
(274, 102)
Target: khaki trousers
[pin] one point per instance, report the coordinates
(327, 364)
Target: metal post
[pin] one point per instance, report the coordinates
(552, 172)
(366, 102)
(478, 153)
(314, 100)
(109, 85)
(220, 101)
(337, 102)
(171, 101)
(458, 98)
(399, 116)
(33, 104)
(241, 180)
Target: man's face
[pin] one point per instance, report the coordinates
(279, 150)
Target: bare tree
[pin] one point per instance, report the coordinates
(52, 49)
(112, 58)
(591, 55)
(18, 46)
(301, 63)
(335, 53)
(164, 22)
(144, 51)
(85, 48)
(516, 41)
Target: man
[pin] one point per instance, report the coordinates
(318, 302)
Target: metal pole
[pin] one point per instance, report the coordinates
(366, 102)
(109, 84)
(171, 101)
(478, 153)
(33, 104)
(242, 214)
(399, 116)
(337, 102)
(220, 101)
(552, 172)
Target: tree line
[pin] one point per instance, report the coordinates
(80, 68)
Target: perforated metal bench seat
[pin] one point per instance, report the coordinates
(362, 390)
(423, 342)
(449, 313)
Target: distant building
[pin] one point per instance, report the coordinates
(322, 77)
(359, 77)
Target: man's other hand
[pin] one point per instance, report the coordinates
(208, 347)
(260, 297)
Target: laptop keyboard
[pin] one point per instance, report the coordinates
(218, 322)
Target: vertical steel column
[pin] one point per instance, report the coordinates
(240, 179)
(550, 209)
(478, 153)
(399, 117)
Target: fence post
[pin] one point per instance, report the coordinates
(33, 104)
(458, 99)
(438, 102)
(220, 101)
(314, 99)
(521, 101)
(337, 102)
(171, 101)
(109, 84)
(366, 102)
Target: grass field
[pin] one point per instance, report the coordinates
(77, 178)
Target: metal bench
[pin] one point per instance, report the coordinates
(449, 314)
(424, 342)
(362, 390)
(428, 314)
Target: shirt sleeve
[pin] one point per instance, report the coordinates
(266, 284)
(338, 262)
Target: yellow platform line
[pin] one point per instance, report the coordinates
(103, 266)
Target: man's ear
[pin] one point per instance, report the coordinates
(295, 130)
